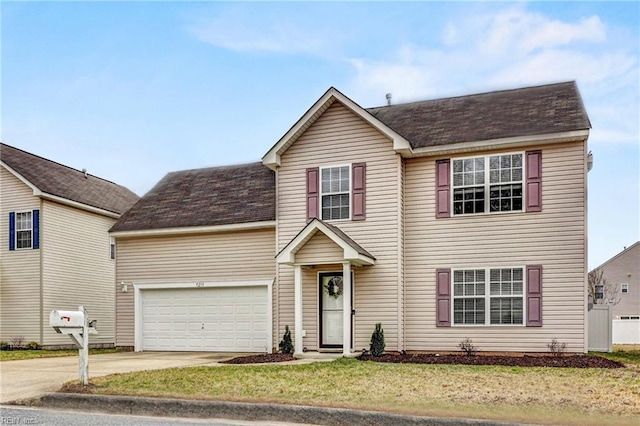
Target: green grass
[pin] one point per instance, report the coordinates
(542, 395)
(627, 354)
(40, 353)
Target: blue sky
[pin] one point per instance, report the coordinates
(131, 91)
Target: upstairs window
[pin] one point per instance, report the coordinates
(24, 230)
(599, 292)
(335, 192)
(488, 184)
(624, 288)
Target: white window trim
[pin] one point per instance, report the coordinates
(487, 297)
(624, 288)
(15, 235)
(322, 194)
(487, 184)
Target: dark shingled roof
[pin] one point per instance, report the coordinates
(205, 197)
(65, 182)
(520, 112)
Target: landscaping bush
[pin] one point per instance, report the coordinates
(4, 346)
(286, 346)
(33, 346)
(377, 341)
(17, 342)
(556, 348)
(466, 345)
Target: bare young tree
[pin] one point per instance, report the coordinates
(602, 292)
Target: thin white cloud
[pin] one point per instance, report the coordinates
(236, 30)
(515, 48)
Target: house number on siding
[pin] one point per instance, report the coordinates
(199, 284)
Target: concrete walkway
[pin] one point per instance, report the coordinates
(31, 378)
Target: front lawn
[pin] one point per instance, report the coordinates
(40, 353)
(518, 394)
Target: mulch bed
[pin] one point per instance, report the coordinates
(566, 361)
(259, 359)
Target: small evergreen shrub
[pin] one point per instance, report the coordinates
(377, 341)
(286, 346)
(466, 346)
(556, 348)
(33, 346)
(4, 346)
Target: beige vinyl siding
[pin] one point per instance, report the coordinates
(554, 238)
(77, 269)
(339, 137)
(19, 269)
(319, 249)
(229, 256)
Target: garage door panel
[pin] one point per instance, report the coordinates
(205, 319)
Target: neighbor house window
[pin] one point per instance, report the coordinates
(624, 288)
(491, 183)
(492, 296)
(112, 248)
(24, 230)
(335, 192)
(599, 292)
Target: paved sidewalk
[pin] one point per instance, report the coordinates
(31, 378)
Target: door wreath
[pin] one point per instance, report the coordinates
(334, 287)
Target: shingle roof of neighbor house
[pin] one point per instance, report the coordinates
(246, 193)
(520, 112)
(65, 182)
(205, 197)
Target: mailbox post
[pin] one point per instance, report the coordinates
(76, 325)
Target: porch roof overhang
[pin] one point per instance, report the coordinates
(352, 251)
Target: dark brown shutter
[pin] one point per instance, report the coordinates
(443, 297)
(534, 181)
(443, 189)
(359, 173)
(312, 192)
(534, 296)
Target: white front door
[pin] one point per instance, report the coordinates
(331, 309)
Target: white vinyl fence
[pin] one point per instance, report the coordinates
(600, 332)
(626, 332)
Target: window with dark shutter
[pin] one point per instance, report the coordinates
(36, 229)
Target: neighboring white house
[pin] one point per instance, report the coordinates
(622, 272)
(55, 249)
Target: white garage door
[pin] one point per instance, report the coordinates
(214, 319)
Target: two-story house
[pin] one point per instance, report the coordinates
(442, 219)
(55, 249)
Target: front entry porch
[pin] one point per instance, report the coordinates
(335, 255)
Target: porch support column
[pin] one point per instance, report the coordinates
(346, 308)
(297, 301)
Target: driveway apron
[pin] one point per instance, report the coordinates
(31, 378)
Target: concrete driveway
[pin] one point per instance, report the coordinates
(31, 378)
